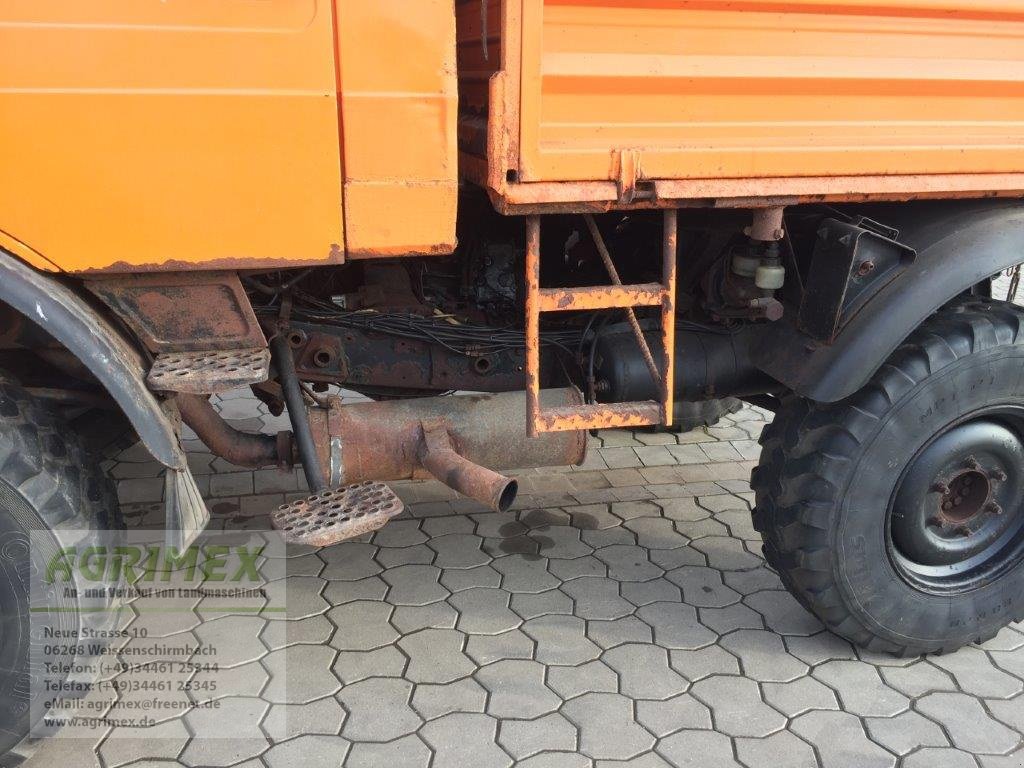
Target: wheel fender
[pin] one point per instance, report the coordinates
(958, 246)
(103, 349)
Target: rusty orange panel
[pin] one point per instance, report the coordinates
(611, 416)
(399, 104)
(139, 134)
(900, 93)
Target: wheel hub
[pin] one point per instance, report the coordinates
(958, 499)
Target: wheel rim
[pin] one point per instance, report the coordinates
(956, 520)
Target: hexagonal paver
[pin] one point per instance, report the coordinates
(644, 671)
(780, 750)
(414, 585)
(311, 751)
(225, 735)
(484, 611)
(460, 739)
(362, 625)
(433, 701)
(300, 674)
(703, 587)
(664, 717)
(763, 656)
(379, 710)
(236, 639)
(436, 656)
(905, 733)
(606, 726)
(968, 724)
(524, 738)
(737, 706)
(861, 689)
(675, 625)
(597, 597)
(841, 740)
(406, 752)
(561, 640)
(591, 677)
(698, 749)
(517, 689)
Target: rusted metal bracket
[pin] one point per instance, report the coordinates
(616, 296)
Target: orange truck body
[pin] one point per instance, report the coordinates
(167, 135)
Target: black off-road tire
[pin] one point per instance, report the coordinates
(828, 474)
(50, 486)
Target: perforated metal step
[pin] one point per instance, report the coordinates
(332, 516)
(206, 373)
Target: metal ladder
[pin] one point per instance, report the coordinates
(616, 296)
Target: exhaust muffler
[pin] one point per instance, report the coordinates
(460, 440)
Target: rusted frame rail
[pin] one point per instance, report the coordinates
(616, 296)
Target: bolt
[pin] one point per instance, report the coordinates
(964, 531)
(958, 501)
(940, 487)
(936, 522)
(999, 475)
(994, 508)
(972, 463)
(865, 268)
(947, 505)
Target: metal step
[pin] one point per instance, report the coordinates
(207, 373)
(342, 513)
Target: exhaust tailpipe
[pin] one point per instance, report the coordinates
(453, 439)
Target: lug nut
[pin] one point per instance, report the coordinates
(994, 508)
(999, 475)
(972, 463)
(940, 487)
(935, 522)
(963, 531)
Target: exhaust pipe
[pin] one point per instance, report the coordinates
(453, 439)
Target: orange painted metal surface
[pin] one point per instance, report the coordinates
(399, 105)
(617, 296)
(640, 103)
(147, 135)
(139, 134)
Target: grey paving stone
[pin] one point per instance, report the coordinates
(654, 591)
(1010, 712)
(460, 740)
(819, 648)
(520, 574)
(841, 740)
(436, 656)
(628, 563)
(350, 561)
(664, 717)
(550, 733)
(597, 597)
(780, 750)
(644, 671)
(529, 606)
(698, 749)
(799, 696)
(905, 733)
(212, 746)
(379, 710)
(704, 662)
(412, 618)
(353, 666)
(414, 585)
(628, 629)
(300, 674)
(311, 751)
(969, 726)
(433, 701)
(975, 674)
(675, 626)
(485, 611)
(917, 679)
(730, 618)
(400, 533)
(459, 551)
(287, 721)
(703, 587)
(947, 758)
(362, 625)
(517, 689)
(393, 557)
(235, 638)
(456, 580)
(406, 752)
(861, 689)
(484, 649)
(655, 532)
(726, 554)
(561, 640)
(763, 656)
(556, 760)
(737, 706)
(606, 726)
(591, 677)
(126, 745)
